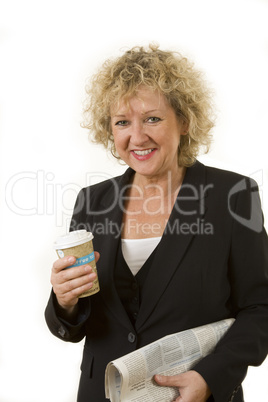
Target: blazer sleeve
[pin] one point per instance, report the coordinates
(74, 330)
(246, 343)
(69, 331)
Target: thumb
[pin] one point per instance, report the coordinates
(167, 380)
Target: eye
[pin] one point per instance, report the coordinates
(153, 119)
(121, 123)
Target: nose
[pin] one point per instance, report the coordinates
(138, 135)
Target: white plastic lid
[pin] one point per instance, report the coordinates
(73, 239)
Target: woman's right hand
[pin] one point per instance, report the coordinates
(69, 284)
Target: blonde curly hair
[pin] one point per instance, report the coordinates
(168, 72)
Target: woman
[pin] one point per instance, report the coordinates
(178, 244)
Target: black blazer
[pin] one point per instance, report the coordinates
(211, 264)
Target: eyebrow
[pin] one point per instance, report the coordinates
(151, 111)
(144, 113)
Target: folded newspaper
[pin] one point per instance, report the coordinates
(130, 378)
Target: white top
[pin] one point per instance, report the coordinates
(137, 251)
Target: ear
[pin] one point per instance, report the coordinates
(184, 128)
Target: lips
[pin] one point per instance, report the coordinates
(143, 154)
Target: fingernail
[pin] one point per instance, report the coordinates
(71, 259)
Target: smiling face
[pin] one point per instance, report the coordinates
(147, 133)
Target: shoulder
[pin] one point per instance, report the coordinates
(100, 195)
(109, 187)
(225, 188)
(237, 194)
(227, 178)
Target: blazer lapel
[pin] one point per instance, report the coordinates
(189, 207)
(108, 244)
(188, 210)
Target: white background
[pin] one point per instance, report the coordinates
(47, 50)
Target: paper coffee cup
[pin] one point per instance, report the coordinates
(79, 244)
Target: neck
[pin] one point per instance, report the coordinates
(168, 184)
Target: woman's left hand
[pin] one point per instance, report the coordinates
(192, 386)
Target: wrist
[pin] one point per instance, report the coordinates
(67, 313)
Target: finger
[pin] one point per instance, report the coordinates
(63, 263)
(75, 284)
(73, 273)
(79, 285)
(69, 260)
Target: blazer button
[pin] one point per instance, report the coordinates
(61, 331)
(131, 337)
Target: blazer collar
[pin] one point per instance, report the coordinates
(195, 179)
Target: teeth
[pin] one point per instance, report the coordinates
(142, 153)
